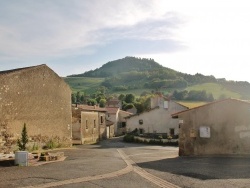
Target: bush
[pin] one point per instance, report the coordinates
(128, 138)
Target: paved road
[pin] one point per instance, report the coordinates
(113, 163)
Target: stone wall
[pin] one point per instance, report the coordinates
(228, 124)
(38, 97)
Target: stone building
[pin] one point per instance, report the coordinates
(38, 97)
(114, 114)
(220, 127)
(89, 124)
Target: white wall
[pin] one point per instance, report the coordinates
(157, 120)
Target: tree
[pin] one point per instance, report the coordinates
(128, 106)
(78, 97)
(24, 139)
(121, 97)
(129, 98)
(73, 98)
(102, 103)
(91, 102)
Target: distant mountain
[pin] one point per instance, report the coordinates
(131, 73)
(126, 64)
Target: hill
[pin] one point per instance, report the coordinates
(116, 67)
(132, 74)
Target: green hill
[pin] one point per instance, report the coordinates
(84, 84)
(218, 90)
(135, 75)
(116, 67)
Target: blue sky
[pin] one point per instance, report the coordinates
(74, 36)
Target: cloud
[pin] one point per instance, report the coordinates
(60, 28)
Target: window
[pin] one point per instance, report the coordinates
(141, 131)
(123, 124)
(87, 124)
(94, 123)
(101, 119)
(140, 121)
(171, 132)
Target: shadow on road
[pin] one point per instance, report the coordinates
(7, 163)
(203, 168)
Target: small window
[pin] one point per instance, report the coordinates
(171, 132)
(87, 124)
(94, 123)
(141, 131)
(140, 121)
(101, 119)
(123, 124)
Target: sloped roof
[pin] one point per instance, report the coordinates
(208, 104)
(21, 69)
(91, 108)
(24, 69)
(125, 112)
(113, 102)
(108, 122)
(112, 110)
(142, 112)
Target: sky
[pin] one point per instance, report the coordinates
(73, 36)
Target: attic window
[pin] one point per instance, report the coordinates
(140, 121)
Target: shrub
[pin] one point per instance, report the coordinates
(24, 139)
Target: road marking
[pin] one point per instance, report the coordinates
(84, 179)
(131, 166)
(150, 177)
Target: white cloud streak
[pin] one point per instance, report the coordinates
(58, 28)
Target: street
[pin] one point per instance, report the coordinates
(113, 163)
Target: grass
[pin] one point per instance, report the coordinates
(83, 84)
(90, 85)
(192, 104)
(216, 89)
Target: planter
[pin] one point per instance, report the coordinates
(21, 158)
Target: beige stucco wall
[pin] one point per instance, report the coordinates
(158, 120)
(90, 127)
(41, 99)
(102, 125)
(229, 123)
(114, 117)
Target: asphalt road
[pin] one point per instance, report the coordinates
(113, 163)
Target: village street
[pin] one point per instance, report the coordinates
(113, 163)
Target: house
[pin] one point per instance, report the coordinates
(220, 127)
(38, 97)
(89, 124)
(122, 122)
(114, 103)
(117, 116)
(158, 119)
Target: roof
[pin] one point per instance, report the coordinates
(91, 108)
(108, 122)
(20, 69)
(208, 104)
(125, 112)
(112, 110)
(113, 102)
(142, 112)
(24, 69)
